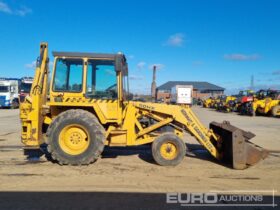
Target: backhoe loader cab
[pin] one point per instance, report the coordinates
(88, 75)
(88, 107)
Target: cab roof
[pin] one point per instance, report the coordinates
(87, 55)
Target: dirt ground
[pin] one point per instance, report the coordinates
(133, 169)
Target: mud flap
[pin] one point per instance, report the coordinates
(236, 149)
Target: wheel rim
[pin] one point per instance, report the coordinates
(168, 151)
(74, 139)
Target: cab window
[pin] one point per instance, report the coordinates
(101, 79)
(68, 75)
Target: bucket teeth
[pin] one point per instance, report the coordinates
(236, 148)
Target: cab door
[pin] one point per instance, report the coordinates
(102, 87)
(67, 82)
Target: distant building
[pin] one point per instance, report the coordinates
(200, 89)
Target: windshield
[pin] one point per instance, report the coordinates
(4, 89)
(25, 87)
(246, 93)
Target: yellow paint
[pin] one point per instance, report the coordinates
(168, 151)
(120, 118)
(74, 139)
(265, 105)
(208, 102)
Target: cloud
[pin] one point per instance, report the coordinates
(276, 72)
(22, 11)
(141, 65)
(235, 90)
(5, 8)
(136, 77)
(242, 57)
(176, 40)
(158, 65)
(32, 65)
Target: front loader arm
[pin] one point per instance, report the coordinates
(224, 141)
(184, 118)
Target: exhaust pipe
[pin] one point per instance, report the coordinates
(236, 149)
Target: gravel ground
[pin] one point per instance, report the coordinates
(133, 169)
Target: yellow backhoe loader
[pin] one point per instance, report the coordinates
(88, 107)
(227, 104)
(217, 101)
(208, 103)
(267, 102)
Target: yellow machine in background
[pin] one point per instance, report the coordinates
(217, 101)
(269, 105)
(227, 104)
(212, 102)
(264, 102)
(88, 107)
(208, 103)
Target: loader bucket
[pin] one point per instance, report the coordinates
(236, 148)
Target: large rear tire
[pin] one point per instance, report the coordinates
(275, 111)
(75, 137)
(168, 150)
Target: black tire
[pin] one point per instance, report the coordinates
(275, 111)
(94, 129)
(168, 138)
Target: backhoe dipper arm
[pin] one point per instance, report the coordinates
(31, 109)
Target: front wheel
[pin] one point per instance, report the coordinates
(75, 137)
(168, 150)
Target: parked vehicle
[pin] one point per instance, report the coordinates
(9, 90)
(266, 102)
(25, 87)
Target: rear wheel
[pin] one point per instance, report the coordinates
(168, 150)
(75, 137)
(275, 111)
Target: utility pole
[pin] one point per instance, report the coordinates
(252, 82)
(154, 86)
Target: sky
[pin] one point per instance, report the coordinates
(223, 42)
